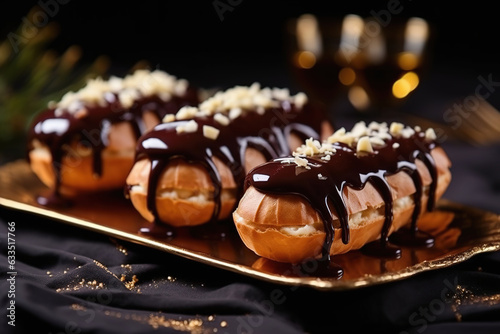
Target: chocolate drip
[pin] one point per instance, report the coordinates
(267, 133)
(322, 185)
(90, 127)
(412, 236)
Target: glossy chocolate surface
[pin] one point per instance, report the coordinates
(267, 132)
(90, 126)
(322, 184)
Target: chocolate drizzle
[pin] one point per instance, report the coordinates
(267, 132)
(323, 181)
(90, 127)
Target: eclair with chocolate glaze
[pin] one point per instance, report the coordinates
(86, 141)
(190, 169)
(360, 189)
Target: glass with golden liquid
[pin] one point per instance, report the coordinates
(375, 64)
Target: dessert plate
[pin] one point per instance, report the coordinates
(459, 231)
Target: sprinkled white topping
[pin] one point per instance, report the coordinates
(133, 86)
(210, 132)
(341, 136)
(364, 145)
(377, 141)
(300, 100)
(221, 119)
(407, 132)
(190, 126)
(430, 134)
(186, 112)
(300, 161)
(249, 98)
(235, 113)
(168, 118)
(312, 147)
(127, 97)
(321, 177)
(366, 139)
(396, 128)
(230, 104)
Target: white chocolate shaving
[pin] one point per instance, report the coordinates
(396, 128)
(190, 126)
(235, 113)
(221, 119)
(364, 145)
(430, 134)
(300, 161)
(210, 132)
(365, 139)
(186, 112)
(130, 88)
(168, 118)
(234, 101)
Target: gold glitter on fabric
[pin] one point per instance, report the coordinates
(78, 307)
(463, 297)
(129, 284)
(159, 320)
(127, 267)
(194, 326)
(102, 266)
(90, 284)
(65, 271)
(119, 247)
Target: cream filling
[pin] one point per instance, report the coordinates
(200, 197)
(355, 220)
(79, 151)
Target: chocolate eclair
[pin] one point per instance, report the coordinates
(86, 141)
(352, 191)
(190, 169)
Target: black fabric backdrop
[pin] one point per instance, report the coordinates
(75, 281)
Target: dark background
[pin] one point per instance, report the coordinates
(189, 39)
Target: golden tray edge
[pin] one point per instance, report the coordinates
(18, 182)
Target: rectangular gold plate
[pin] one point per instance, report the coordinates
(460, 232)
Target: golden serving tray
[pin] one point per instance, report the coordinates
(460, 232)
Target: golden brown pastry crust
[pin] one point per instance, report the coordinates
(177, 198)
(260, 218)
(76, 168)
(185, 190)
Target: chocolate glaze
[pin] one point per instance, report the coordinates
(92, 129)
(267, 133)
(348, 168)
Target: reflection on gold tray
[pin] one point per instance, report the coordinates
(460, 232)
